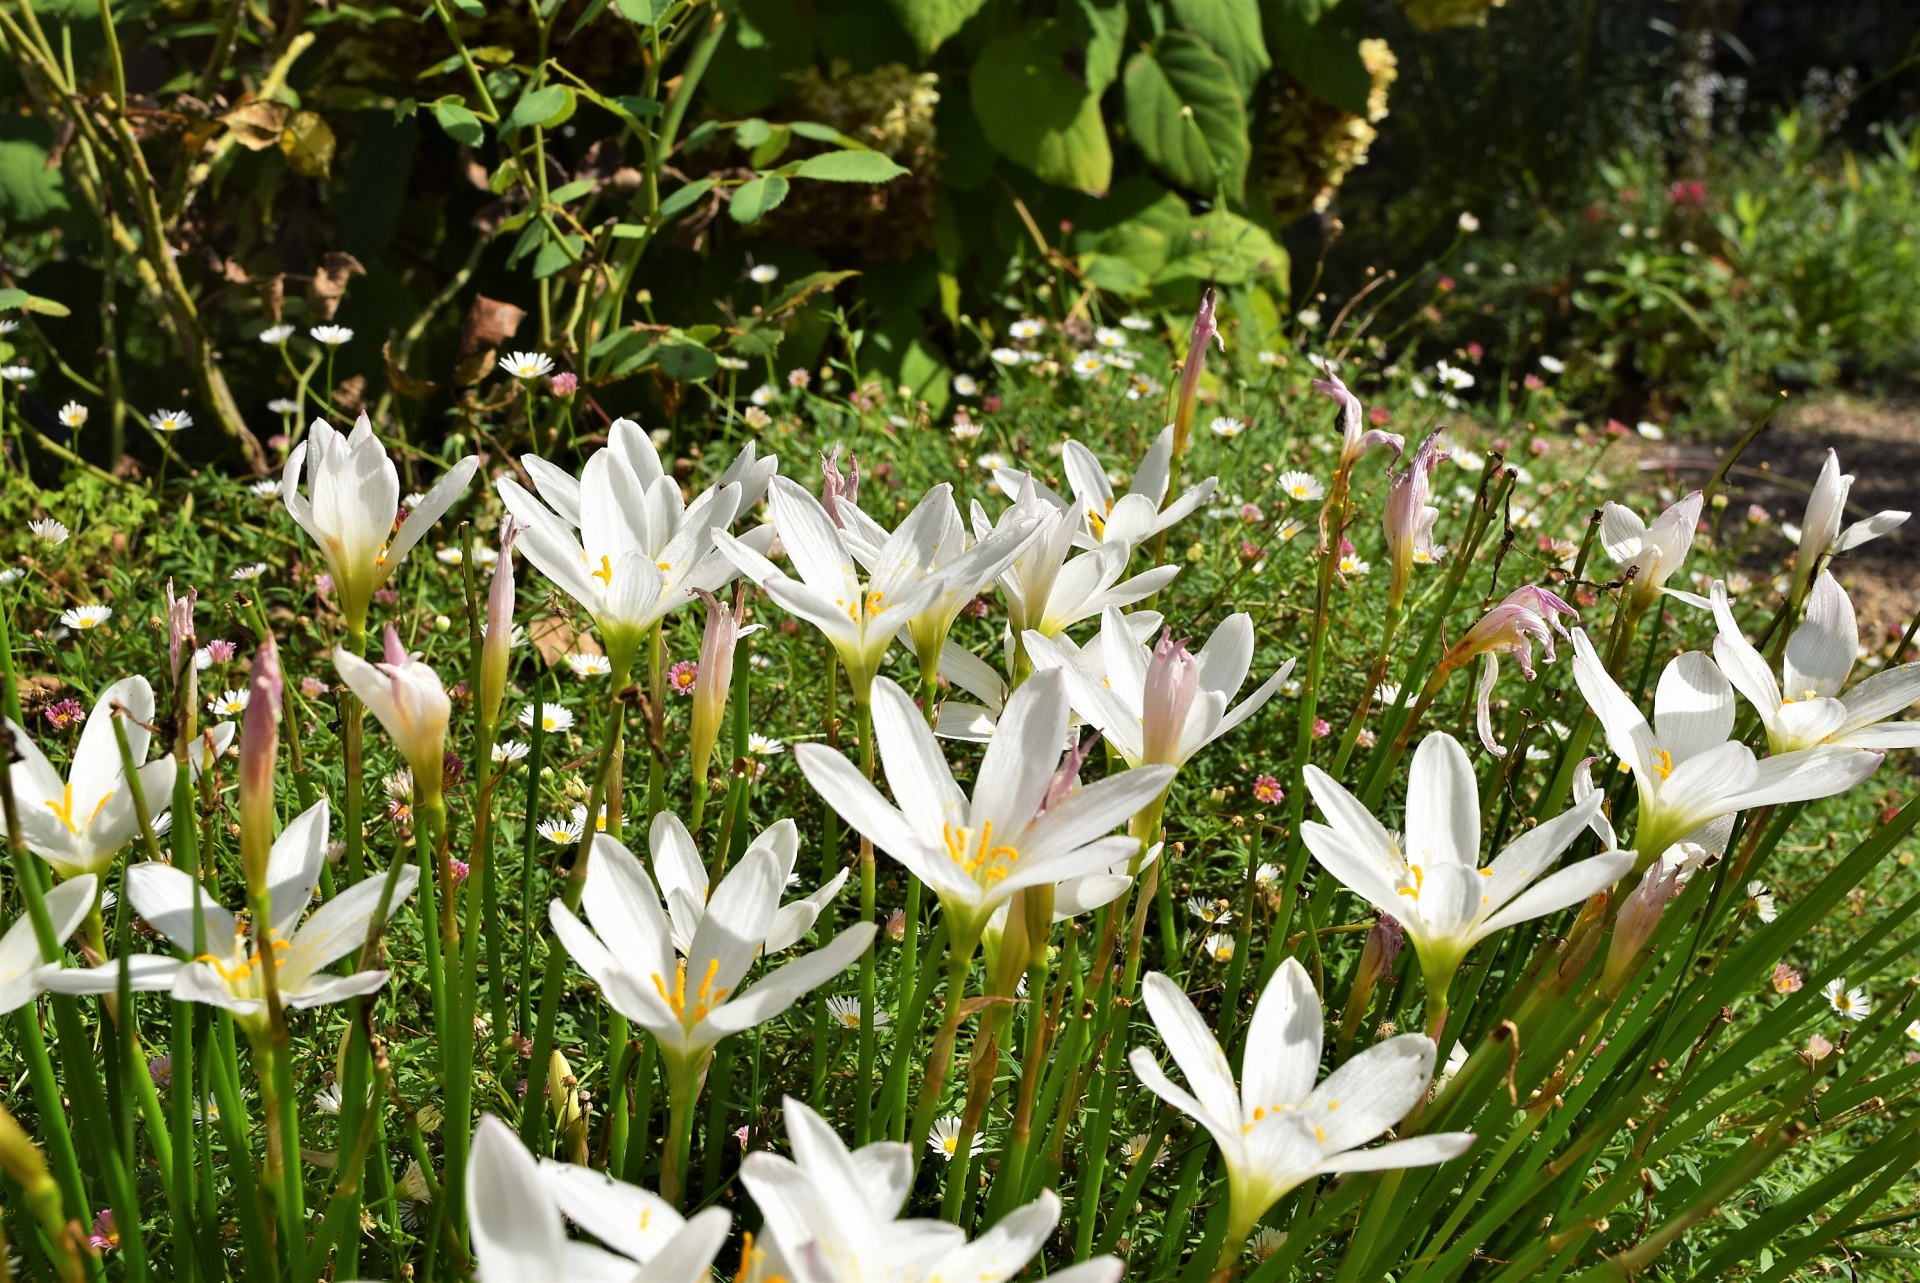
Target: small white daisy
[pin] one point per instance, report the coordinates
(1266, 875)
(10, 574)
(1650, 430)
(283, 405)
(1006, 356)
(1290, 530)
(589, 665)
(764, 395)
(1107, 336)
(73, 415)
(509, 751)
(449, 556)
(276, 334)
(1228, 426)
(1308, 317)
(327, 1099)
(965, 385)
(1302, 487)
(1452, 376)
(229, 703)
(944, 1138)
(553, 717)
(764, 274)
(1761, 901)
(1219, 947)
(85, 617)
(764, 745)
(169, 420)
(1553, 365)
(1850, 1004)
(1087, 364)
(16, 373)
(331, 335)
(528, 365)
(253, 571)
(1136, 322)
(1351, 564)
(846, 1013)
(1913, 1031)
(1027, 327)
(992, 462)
(1265, 1243)
(1134, 1148)
(1211, 911)
(731, 362)
(49, 531)
(267, 489)
(562, 832)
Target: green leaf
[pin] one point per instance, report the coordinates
(850, 167)
(687, 362)
(571, 191)
(753, 198)
(1038, 114)
(1224, 247)
(543, 107)
(771, 148)
(643, 12)
(930, 22)
(1319, 45)
(825, 134)
(629, 231)
(634, 105)
(1231, 28)
(29, 191)
(751, 133)
(799, 291)
(16, 299)
(553, 257)
(1185, 114)
(472, 8)
(683, 197)
(1106, 40)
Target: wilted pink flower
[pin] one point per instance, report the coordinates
(834, 487)
(1615, 428)
(564, 384)
(221, 652)
(1321, 728)
(1249, 550)
(1409, 517)
(712, 677)
(259, 742)
(1354, 439)
(67, 712)
(1510, 628)
(1818, 1048)
(313, 688)
(179, 628)
(160, 1070)
(105, 1236)
(1379, 416)
(496, 646)
(1786, 979)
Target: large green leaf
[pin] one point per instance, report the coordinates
(1186, 115)
(1126, 256)
(1225, 248)
(753, 198)
(1231, 28)
(1318, 42)
(930, 22)
(849, 167)
(1037, 114)
(1106, 40)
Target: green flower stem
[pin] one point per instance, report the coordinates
(893, 1094)
(1375, 676)
(863, 1074)
(353, 717)
(656, 728)
(940, 1058)
(223, 1063)
(532, 1115)
(637, 1146)
(529, 871)
(719, 1082)
(683, 1084)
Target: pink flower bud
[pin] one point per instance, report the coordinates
(1173, 679)
(1205, 330)
(835, 487)
(180, 629)
(1409, 517)
(713, 677)
(564, 384)
(259, 745)
(495, 646)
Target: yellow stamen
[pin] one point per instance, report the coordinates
(605, 573)
(1662, 763)
(984, 862)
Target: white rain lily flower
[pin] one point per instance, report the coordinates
(229, 973)
(514, 1204)
(963, 720)
(1807, 708)
(23, 976)
(621, 541)
(689, 1003)
(682, 876)
(1652, 553)
(1047, 591)
(860, 620)
(1131, 519)
(1820, 535)
(1160, 704)
(1277, 1130)
(976, 854)
(934, 531)
(79, 823)
(352, 496)
(1431, 881)
(409, 701)
(831, 1217)
(1687, 770)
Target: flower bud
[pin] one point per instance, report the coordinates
(407, 698)
(712, 679)
(1204, 332)
(1409, 517)
(499, 639)
(259, 745)
(1173, 679)
(835, 487)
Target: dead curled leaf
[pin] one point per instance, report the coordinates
(489, 323)
(329, 284)
(258, 124)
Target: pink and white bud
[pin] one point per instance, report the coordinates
(1409, 517)
(713, 679)
(1528, 614)
(1067, 777)
(180, 637)
(1640, 911)
(259, 746)
(1205, 331)
(409, 701)
(1173, 679)
(498, 642)
(834, 487)
(1355, 438)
